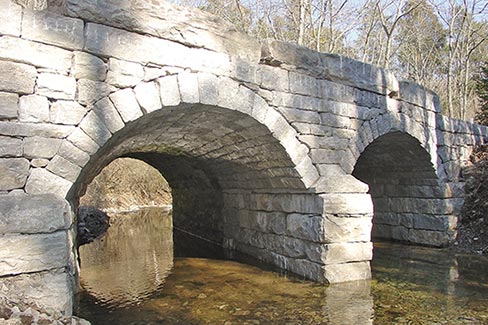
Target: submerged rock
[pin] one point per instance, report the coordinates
(92, 224)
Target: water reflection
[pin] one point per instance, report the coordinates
(132, 261)
(411, 285)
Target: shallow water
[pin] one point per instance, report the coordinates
(132, 277)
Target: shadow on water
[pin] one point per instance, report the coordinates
(135, 275)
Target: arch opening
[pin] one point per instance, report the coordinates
(408, 199)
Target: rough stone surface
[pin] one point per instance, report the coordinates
(10, 18)
(90, 91)
(8, 105)
(49, 292)
(170, 94)
(11, 147)
(81, 140)
(95, 127)
(163, 19)
(50, 28)
(107, 112)
(87, 66)
(41, 181)
(14, 173)
(33, 129)
(126, 103)
(62, 167)
(67, 112)
(20, 78)
(36, 54)
(147, 94)
(124, 74)
(39, 162)
(72, 153)
(33, 252)
(56, 86)
(40, 147)
(33, 108)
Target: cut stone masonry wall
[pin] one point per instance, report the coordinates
(272, 149)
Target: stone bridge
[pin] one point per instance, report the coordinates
(289, 155)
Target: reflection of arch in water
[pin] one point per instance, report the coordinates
(409, 203)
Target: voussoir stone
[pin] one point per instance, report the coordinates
(90, 91)
(124, 74)
(14, 173)
(33, 214)
(42, 181)
(18, 78)
(67, 112)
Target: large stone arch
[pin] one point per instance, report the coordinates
(397, 157)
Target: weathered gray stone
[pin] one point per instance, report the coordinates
(80, 139)
(107, 112)
(50, 28)
(124, 74)
(49, 292)
(33, 108)
(343, 229)
(74, 154)
(126, 103)
(40, 147)
(33, 214)
(39, 162)
(8, 105)
(67, 112)
(339, 252)
(347, 204)
(62, 167)
(341, 184)
(33, 4)
(14, 173)
(36, 54)
(187, 26)
(147, 94)
(56, 86)
(300, 203)
(95, 128)
(33, 129)
(170, 94)
(87, 66)
(11, 147)
(90, 91)
(111, 42)
(188, 86)
(41, 181)
(431, 238)
(10, 18)
(18, 78)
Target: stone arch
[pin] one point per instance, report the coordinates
(412, 203)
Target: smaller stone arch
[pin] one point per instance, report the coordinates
(398, 160)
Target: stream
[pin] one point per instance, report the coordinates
(144, 272)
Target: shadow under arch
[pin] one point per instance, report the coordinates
(408, 197)
(214, 159)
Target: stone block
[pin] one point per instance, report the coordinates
(168, 87)
(87, 66)
(188, 85)
(62, 167)
(273, 78)
(67, 112)
(107, 112)
(33, 4)
(347, 204)
(126, 104)
(54, 29)
(8, 105)
(32, 129)
(339, 252)
(124, 74)
(327, 156)
(40, 147)
(47, 292)
(128, 46)
(56, 86)
(430, 238)
(90, 91)
(291, 203)
(296, 115)
(33, 108)
(147, 94)
(36, 54)
(39, 162)
(17, 77)
(81, 140)
(10, 18)
(11, 147)
(33, 214)
(344, 229)
(74, 154)
(340, 184)
(41, 181)
(195, 28)
(14, 173)
(429, 222)
(95, 128)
